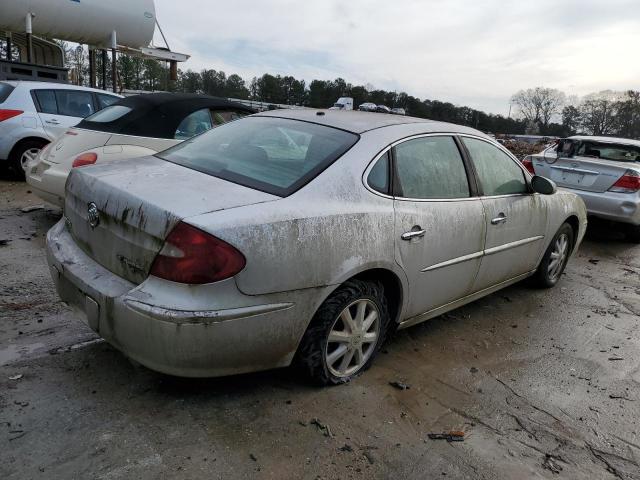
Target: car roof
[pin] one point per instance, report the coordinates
(624, 141)
(359, 122)
(56, 86)
(158, 115)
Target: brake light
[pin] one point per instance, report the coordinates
(7, 114)
(528, 164)
(627, 183)
(88, 158)
(192, 256)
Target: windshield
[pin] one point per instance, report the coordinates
(609, 151)
(274, 155)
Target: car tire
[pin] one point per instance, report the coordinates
(345, 334)
(555, 258)
(22, 152)
(633, 233)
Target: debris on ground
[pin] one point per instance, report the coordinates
(4, 242)
(615, 358)
(451, 436)
(15, 377)
(551, 464)
(346, 448)
(473, 370)
(594, 261)
(324, 428)
(32, 208)
(253, 457)
(400, 385)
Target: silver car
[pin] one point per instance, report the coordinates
(301, 236)
(604, 171)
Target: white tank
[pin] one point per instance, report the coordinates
(83, 21)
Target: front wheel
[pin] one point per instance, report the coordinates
(345, 334)
(555, 258)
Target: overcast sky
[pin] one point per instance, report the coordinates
(474, 53)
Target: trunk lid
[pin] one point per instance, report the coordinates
(582, 173)
(72, 142)
(138, 204)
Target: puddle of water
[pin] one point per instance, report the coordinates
(13, 352)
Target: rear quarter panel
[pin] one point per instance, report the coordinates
(325, 233)
(561, 206)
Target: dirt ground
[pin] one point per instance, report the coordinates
(544, 383)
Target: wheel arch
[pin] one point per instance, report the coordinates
(19, 143)
(575, 226)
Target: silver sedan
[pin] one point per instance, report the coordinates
(603, 171)
(301, 236)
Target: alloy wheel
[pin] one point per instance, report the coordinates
(28, 156)
(353, 338)
(558, 257)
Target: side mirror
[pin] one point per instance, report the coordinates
(543, 185)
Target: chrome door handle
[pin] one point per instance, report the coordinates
(502, 218)
(413, 234)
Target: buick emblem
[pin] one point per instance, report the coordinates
(93, 216)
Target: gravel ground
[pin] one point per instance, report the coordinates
(544, 383)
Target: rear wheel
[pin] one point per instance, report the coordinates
(633, 233)
(345, 334)
(555, 258)
(23, 154)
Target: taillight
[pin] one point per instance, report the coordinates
(627, 183)
(7, 114)
(192, 256)
(528, 164)
(88, 158)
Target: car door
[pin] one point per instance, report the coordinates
(47, 108)
(439, 221)
(516, 218)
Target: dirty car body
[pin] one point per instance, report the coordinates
(306, 203)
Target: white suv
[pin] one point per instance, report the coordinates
(33, 114)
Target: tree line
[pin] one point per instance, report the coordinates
(605, 113)
(538, 111)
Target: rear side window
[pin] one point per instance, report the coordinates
(5, 91)
(430, 167)
(106, 100)
(378, 178)
(109, 114)
(74, 103)
(194, 124)
(47, 101)
(498, 172)
(274, 155)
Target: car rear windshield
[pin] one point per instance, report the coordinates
(5, 91)
(609, 151)
(274, 155)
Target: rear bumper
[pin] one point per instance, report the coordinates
(233, 334)
(619, 207)
(47, 182)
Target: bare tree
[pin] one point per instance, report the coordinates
(539, 104)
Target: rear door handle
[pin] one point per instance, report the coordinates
(53, 122)
(413, 234)
(502, 218)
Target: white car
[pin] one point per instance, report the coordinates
(32, 114)
(133, 127)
